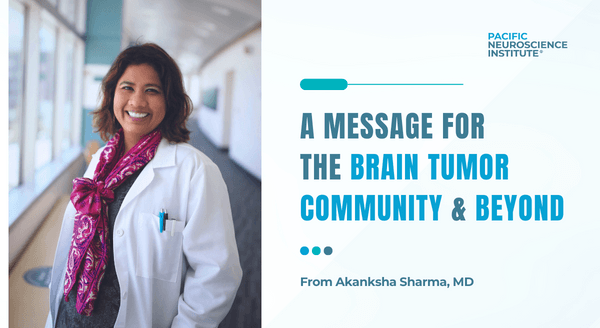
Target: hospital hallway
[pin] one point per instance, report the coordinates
(29, 304)
(60, 53)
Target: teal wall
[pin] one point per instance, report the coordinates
(102, 45)
(103, 31)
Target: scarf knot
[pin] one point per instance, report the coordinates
(89, 196)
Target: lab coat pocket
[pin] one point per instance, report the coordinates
(158, 254)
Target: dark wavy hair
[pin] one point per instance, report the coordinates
(178, 104)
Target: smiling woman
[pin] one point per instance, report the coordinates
(139, 103)
(144, 76)
(147, 240)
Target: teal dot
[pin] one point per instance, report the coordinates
(316, 250)
(327, 250)
(304, 250)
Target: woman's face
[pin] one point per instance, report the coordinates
(139, 103)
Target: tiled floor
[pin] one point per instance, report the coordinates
(245, 196)
(28, 305)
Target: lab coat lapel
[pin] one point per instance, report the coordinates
(164, 157)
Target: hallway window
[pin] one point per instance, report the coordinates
(67, 108)
(45, 77)
(43, 143)
(68, 9)
(81, 18)
(15, 90)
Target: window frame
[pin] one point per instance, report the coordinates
(23, 9)
(36, 16)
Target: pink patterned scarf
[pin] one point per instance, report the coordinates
(91, 198)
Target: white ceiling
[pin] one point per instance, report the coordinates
(189, 30)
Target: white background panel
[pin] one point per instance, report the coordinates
(542, 112)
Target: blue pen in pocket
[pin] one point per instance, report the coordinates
(161, 224)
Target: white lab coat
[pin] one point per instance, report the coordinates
(185, 280)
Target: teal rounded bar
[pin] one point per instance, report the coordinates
(323, 84)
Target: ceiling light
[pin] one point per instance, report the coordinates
(209, 26)
(221, 10)
(203, 33)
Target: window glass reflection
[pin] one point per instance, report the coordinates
(43, 143)
(68, 9)
(16, 27)
(68, 105)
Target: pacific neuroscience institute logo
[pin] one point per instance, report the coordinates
(518, 45)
